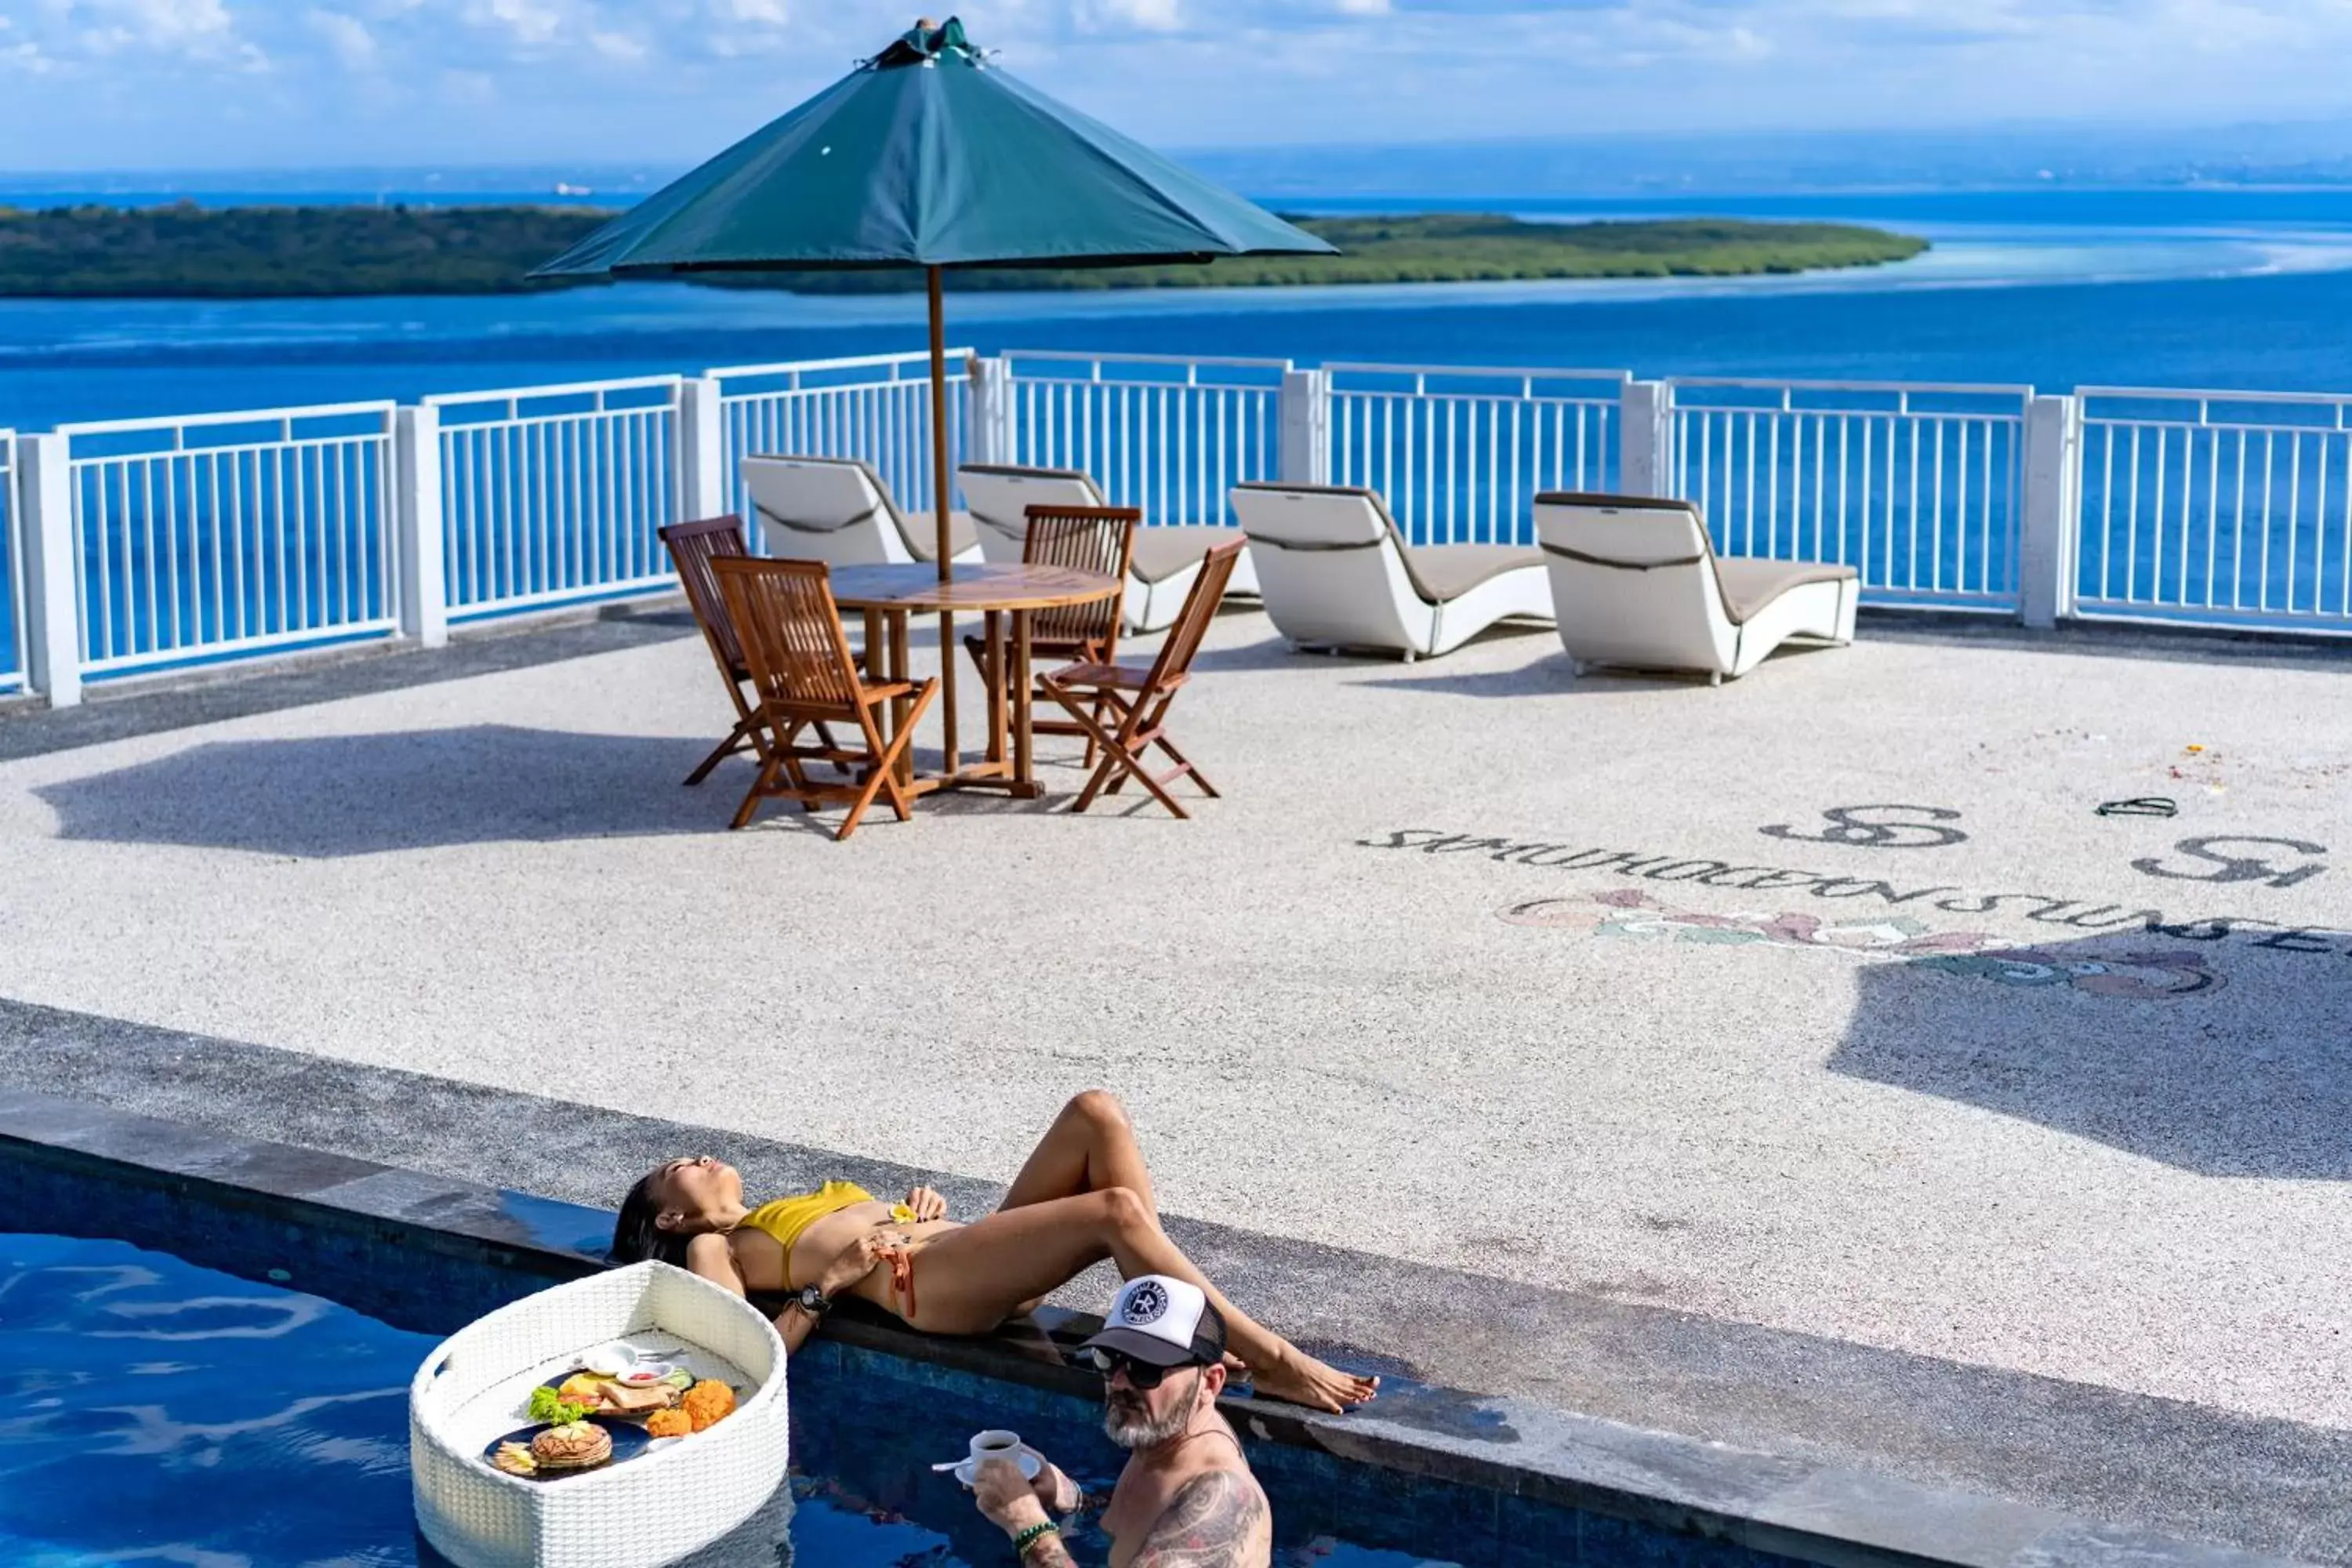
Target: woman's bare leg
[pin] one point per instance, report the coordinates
(1091, 1146)
(973, 1279)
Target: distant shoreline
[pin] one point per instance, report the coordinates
(187, 252)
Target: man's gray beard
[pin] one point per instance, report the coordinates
(1140, 1431)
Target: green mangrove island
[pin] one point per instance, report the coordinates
(191, 252)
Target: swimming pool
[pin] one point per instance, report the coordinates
(155, 1411)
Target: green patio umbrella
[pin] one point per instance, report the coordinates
(928, 155)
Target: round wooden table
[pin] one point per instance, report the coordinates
(887, 596)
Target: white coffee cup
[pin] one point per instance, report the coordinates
(994, 1443)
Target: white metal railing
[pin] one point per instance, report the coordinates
(13, 652)
(1165, 433)
(140, 544)
(230, 534)
(2217, 507)
(1919, 487)
(552, 495)
(1459, 453)
(874, 406)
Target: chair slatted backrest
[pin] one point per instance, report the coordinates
(1193, 621)
(1099, 539)
(798, 655)
(692, 548)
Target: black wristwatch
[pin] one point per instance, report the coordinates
(812, 1300)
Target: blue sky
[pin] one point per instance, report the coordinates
(187, 84)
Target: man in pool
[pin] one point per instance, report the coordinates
(1186, 1499)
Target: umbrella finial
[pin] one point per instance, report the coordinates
(923, 44)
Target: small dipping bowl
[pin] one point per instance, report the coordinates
(644, 1375)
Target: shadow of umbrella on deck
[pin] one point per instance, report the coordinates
(2223, 1056)
(328, 795)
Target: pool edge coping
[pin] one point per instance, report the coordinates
(1821, 1512)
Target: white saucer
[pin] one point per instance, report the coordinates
(968, 1471)
(609, 1360)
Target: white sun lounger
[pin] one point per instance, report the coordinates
(838, 510)
(1335, 573)
(1166, 561)
(1637, 581)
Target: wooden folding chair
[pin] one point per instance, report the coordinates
(1139, 699)
(1091, 539)
(692, 547)
(804, 674)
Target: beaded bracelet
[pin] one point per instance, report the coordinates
(1029, 1537)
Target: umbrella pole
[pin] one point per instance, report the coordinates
(942, 484)
(941, 481)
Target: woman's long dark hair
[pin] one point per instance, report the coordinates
(635, 1236)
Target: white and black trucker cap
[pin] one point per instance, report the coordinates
(1161, 1322)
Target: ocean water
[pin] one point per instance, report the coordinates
(2227, 289)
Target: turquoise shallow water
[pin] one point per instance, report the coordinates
(2216, 289)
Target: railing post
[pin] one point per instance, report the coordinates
(417, 513)
(2050, 522)
(1305, 453)
(52, 585)
(702, 488)
(1646, 434)
(990, 439)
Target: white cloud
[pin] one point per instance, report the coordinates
(484, 80)
(347, 38)
(1146, 15)
(527, 22)
(201, 30)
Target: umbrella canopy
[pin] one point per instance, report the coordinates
(927, 155)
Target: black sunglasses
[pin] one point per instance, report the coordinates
(1141, 1374)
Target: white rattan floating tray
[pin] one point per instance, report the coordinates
(654, 1509)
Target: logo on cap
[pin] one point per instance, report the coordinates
(1146, 1303)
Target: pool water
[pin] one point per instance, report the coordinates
(155, 1412)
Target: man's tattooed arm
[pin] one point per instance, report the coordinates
(1216, 1521)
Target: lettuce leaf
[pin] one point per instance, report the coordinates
(546, 1406)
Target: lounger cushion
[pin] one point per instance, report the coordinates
(1750, 584)
(1161, 552)
(921, 532)
(1443, 572)
(1022, 471)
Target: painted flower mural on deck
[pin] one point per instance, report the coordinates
(2127, 972)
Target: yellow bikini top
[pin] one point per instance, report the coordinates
(786, 1219)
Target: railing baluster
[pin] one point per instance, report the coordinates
(2294, 514)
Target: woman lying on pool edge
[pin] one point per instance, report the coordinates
(1084, 1196)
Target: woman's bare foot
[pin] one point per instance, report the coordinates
(1302, 1380)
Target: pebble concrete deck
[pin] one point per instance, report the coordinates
(1607, 985)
